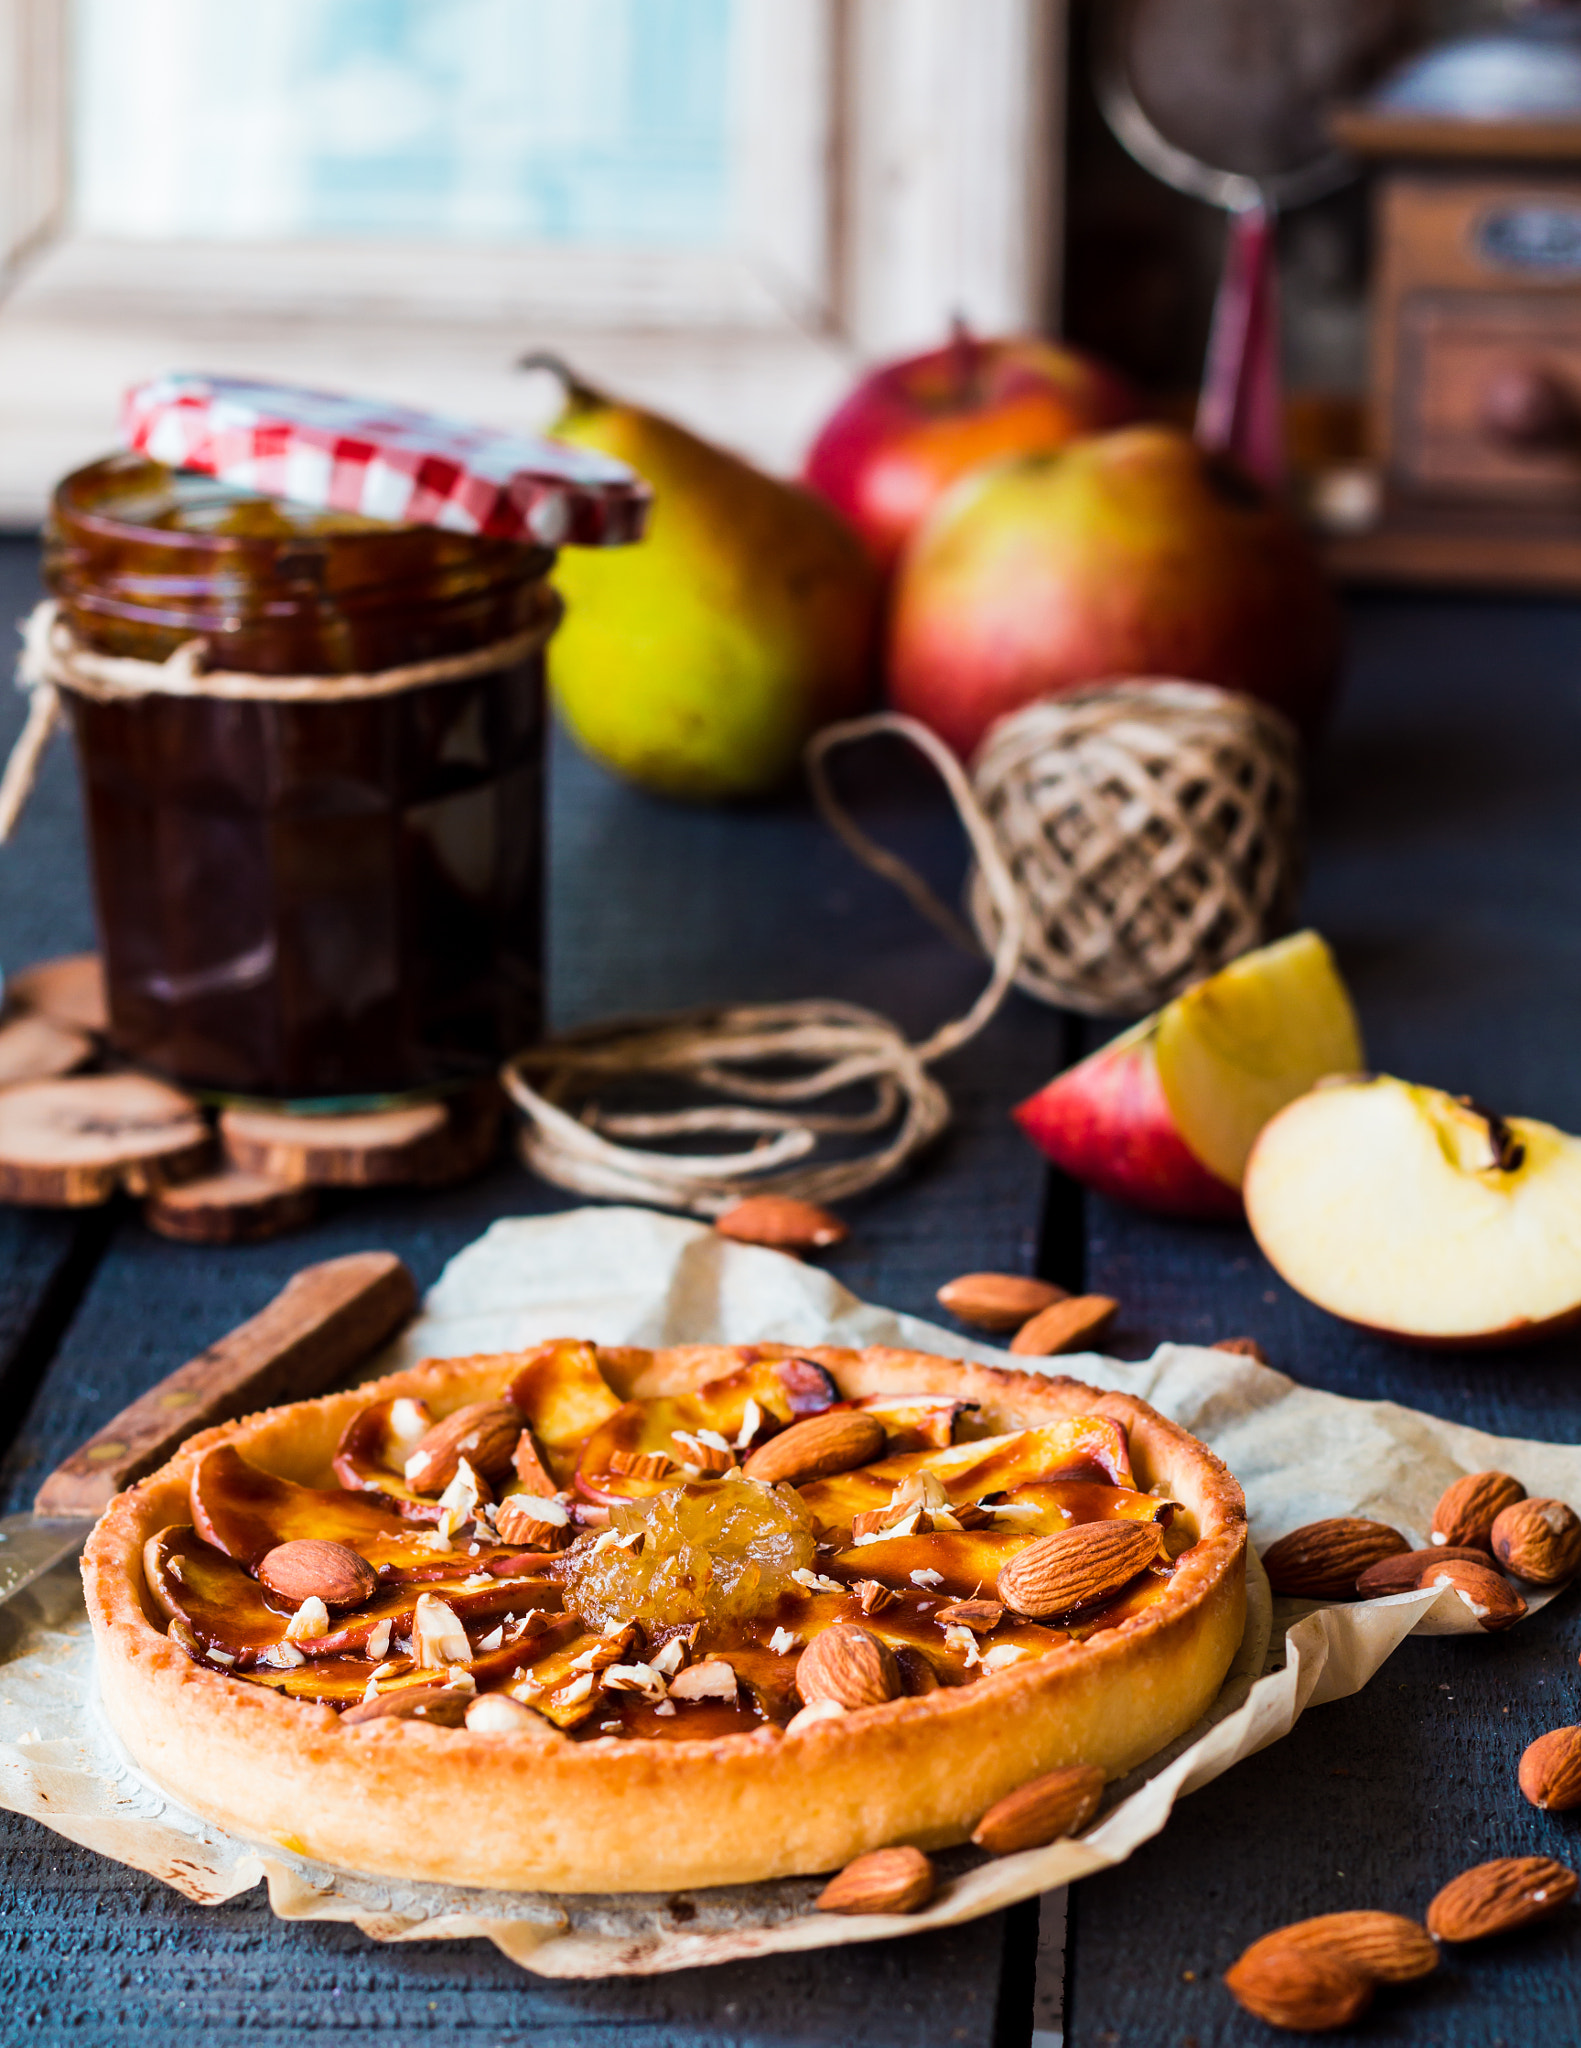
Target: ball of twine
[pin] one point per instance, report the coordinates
(1154, 832)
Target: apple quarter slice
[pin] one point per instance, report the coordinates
(1237, 1047)
(1418, 1215)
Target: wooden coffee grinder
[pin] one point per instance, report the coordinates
(1475, 399)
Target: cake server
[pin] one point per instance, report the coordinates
(325, 1320)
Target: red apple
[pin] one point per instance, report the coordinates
(1127, 554)
(911, 428)
(1166, 1114)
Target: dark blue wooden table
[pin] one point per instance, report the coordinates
(1447, 816)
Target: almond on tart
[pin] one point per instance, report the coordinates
(586, 1619)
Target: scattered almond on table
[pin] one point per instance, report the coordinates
(1538, 1540)
(1491, 1598)
(1065, 1326)
(1402, 1572)
(1043, 1810)
(782, 1224)
(1323, 1560)
(1242, 1347)
(1385, 1947)
(998, 1301)
(883, 1881)
(1468, 1508)
(1550, 1772)
(1500, 1896)
(1303, 1990)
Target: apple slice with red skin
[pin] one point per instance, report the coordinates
(244, 1511)
(1165, 1115)
(1418, 1215)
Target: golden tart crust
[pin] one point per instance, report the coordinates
(535, 1809)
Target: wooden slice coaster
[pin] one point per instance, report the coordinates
(229, 1207)
(38, 1049)
(69, 991)
(67, 1144)
(380, 1149)
(424, 1144)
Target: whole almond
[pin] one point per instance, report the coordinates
(1323, 1560)
(485, 1433)
(1402, 1573)
(846, 1664)
(309, 1568)
(1491, 1597)
(1065, 1326)
(1550, 1773)
(998, 1301)
(1304, 1990)
(818, 1446)
(1538, 1540)
(1385, 1947)
(1242, 1347)
(1498, 1897)
(1074, 1567)
(445, 1705)
(883, 1881)
(1468, 1508)
(782, 1224)
(1041, 1811)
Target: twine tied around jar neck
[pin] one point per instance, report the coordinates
(1127, 840)
(53, 658)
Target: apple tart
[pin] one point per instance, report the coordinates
(590, 1619)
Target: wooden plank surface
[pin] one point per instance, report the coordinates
(653, 906)
(1447, 821)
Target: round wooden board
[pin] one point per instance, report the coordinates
(69, 991)
(229, 1207)
(36, 1048)
(70, 1143)
(382, 1148)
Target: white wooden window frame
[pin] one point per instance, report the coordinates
(897, 162)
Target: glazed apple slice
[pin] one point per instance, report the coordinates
(564, 1397)
(1165, 1115)
(1083, 1445)
(245, 1512)
(915, 1422)
(372, 1451)
(1419, 1215)
(211, 1595)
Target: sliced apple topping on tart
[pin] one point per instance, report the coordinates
(749, 1551)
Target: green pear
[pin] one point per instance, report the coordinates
(697, 662)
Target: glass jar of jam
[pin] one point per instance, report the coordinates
(310, 898)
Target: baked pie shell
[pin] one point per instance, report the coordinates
(535, 1810)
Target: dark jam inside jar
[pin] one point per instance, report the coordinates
(297, 900)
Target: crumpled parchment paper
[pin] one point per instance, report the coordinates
(634, 1276)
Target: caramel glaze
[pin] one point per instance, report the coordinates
(513, 1603)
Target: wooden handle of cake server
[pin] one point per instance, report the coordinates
(325, 1320)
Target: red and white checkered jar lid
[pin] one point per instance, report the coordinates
(341, 454)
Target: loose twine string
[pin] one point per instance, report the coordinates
(569, 1139)
(764, 1064)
